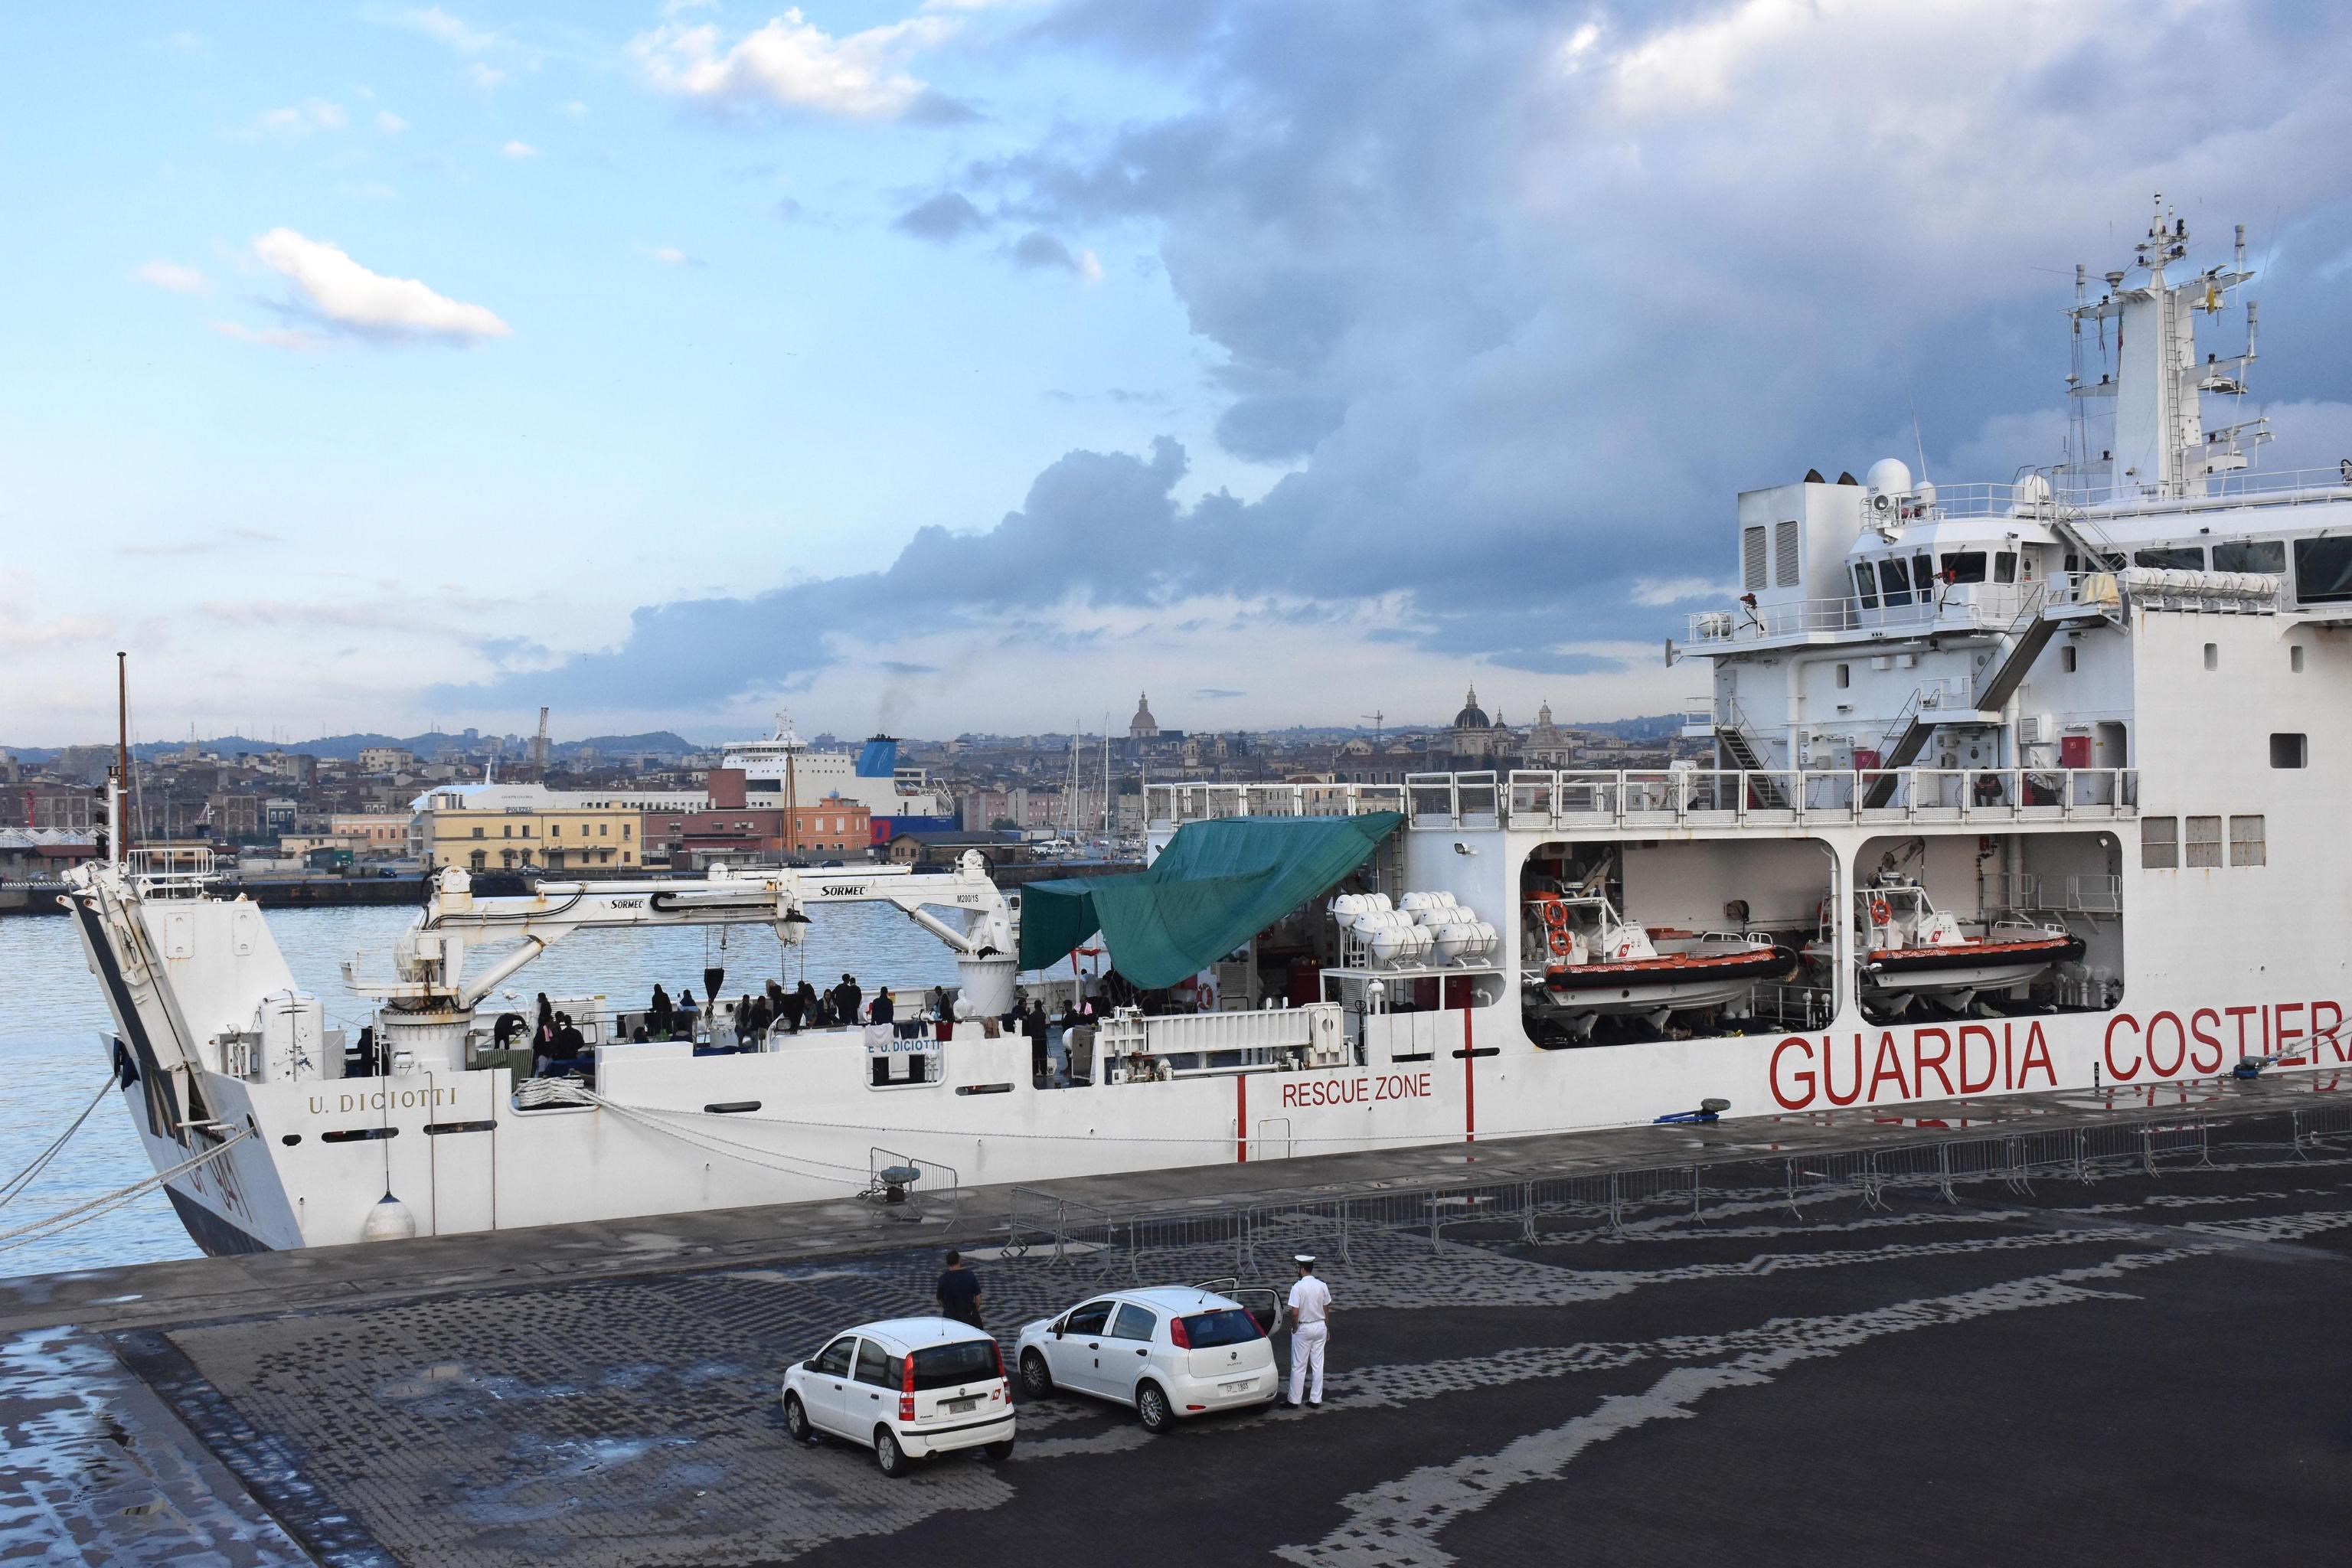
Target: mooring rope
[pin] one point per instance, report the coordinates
(15, 1186)
(66, 1219)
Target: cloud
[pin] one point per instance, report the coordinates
(792, 64)
(388, 122)
(271, 337)
(1659, 591)
(671, 255)
(230, 539)
(21, 603)
(1506, 303)
(440, 25)
(338, 291)
(485, 77)
(518, 150)
(170, 275)
(943, 217)
(1038, 250)
(301, 119)
(575, 109)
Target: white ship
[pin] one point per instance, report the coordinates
(781, 767)
(2094, 702)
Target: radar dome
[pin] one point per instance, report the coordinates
(1889, 476)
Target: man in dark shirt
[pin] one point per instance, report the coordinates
(959, 1292)
(845, 998)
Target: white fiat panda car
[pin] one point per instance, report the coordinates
(1166, 1353)
(909, 1389)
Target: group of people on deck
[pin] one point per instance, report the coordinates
(1061, 1050)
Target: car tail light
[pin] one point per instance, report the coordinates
(1178, 1332)
(999, 1356)
(906, 1390)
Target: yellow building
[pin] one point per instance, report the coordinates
(370, 832)
(503, 828)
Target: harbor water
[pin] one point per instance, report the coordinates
(53, 1033)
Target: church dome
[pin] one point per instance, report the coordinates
(1144, 726)
(1472, 716)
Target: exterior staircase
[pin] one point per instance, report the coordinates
(1731, 738)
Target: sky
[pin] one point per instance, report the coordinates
(949, 365)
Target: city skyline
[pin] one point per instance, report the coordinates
(953, 365)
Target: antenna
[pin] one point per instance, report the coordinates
(1912, 398)
(1377, 717)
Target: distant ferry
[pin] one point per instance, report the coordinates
(2026, 786)
(901, 795)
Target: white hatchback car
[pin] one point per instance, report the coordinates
(909, 1389)
(1167, 1352)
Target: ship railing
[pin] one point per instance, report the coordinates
(174, 872)
(1942, 609)
(1171, 805)
(2035, 500)
(1793, 1006)
(1540, 800)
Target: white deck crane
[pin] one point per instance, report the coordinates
(429, 1004)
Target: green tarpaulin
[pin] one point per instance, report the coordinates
(1214, 886)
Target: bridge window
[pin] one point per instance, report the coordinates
(2251, 555)
(2246, 847)
(1894, 582)
(2202, 843)
(2323, 570)
(2172, 558)
(2159, 849)
(2289, 751)
(2004, 566)
(1964, 566)
(1865, 584)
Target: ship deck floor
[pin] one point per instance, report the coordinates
(1855, 1372)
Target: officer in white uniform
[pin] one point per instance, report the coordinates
(1310, 1330)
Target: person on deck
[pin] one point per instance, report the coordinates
(799, 1007)
(1031, 1023)
(543, 1033)
(885, 1010)
(658, 1012)
(747, 1021)
(845, 999)
(686, 1011)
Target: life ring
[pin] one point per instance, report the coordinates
(1562, 944)
(1879, 913)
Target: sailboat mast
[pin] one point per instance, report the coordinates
(119, 831)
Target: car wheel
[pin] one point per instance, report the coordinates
(888, 1456)
(999, 1451)
(1153, 1405)
(797, 1421)
(1036, 1378)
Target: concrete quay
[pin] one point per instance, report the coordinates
(1859, 1328)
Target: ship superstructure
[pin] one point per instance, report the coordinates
(2033, 785)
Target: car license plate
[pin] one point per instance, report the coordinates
(958, 1407)
(1243, 1387)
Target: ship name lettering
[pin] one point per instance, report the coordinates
(383, 1100)
(1359, 1089)
(1805, 1069)
(2165, 1046)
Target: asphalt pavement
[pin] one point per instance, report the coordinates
(2133, 1368)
